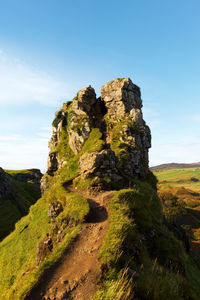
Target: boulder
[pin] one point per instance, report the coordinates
(101, 164)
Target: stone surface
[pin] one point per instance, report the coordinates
(52, 163)
(121, 96)
(81, 118)
(100, 164)
(55, 209)
(44, 183)
(123, 102)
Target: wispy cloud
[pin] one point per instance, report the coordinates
(21, 83)
(14, 137)
(195, 118)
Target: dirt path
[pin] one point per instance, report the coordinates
(76, 275)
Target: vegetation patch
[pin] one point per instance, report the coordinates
(92, 144)
(16, 204)
(138, 242)
(180, 199)
(18, 252)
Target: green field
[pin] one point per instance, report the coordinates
(179, 178)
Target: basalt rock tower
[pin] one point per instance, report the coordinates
(113, 123)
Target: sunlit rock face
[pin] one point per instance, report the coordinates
(123, 102)
(121, 96)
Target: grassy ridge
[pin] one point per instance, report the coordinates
(18, 251)
(17, 203)
(140, 257)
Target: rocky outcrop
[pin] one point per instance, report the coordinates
(5, 183)
(121, 96)
(58, 124)
(123, 101)
(117, 114)
(81, 118)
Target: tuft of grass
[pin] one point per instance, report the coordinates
(119, 289)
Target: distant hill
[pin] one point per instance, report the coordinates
(18, 191)
(174, 166)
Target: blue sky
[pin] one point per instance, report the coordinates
(51, 49)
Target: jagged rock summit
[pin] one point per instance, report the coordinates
(113, 123)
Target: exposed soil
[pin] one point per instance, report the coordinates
(77, 273)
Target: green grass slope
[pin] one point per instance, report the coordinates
(18, 252)
(141, 258)
(16, 204)
(179, 193)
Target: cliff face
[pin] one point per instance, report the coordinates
(115, 120)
